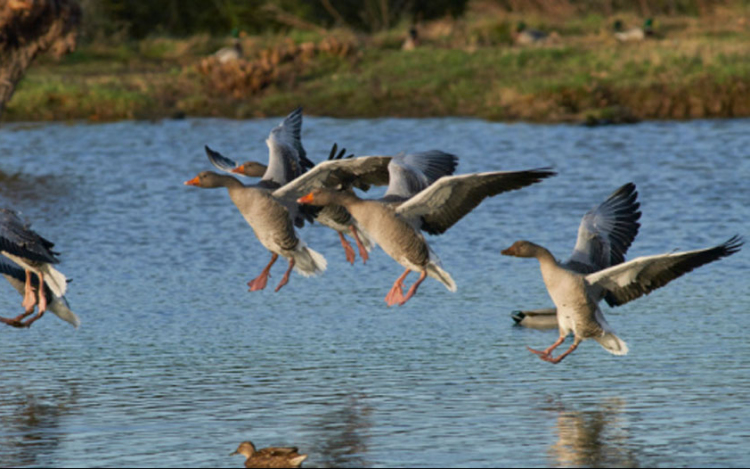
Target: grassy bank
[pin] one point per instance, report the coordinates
(469, 67)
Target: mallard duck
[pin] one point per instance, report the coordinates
(634, 34)
(525, 36)
(230, 53)
(271, 457)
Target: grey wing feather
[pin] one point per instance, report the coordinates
(412, 173)
(359, 172)
(220, 161)
(18, 239)
(606, 232)
(443, 203)
(287, 158)
(630, 280)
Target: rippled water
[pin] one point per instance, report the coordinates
(176, 363)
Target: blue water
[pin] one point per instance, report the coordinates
(175, 363)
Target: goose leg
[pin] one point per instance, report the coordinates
(414, 287)
(396, 294)
(548, 350)
(29, 298)
(285, 279)
(362, 250)
(347, 248)
(548, 358)
(42, 297)
(259, 282)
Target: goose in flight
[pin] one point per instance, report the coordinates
(58, 305)
(577, 295)
(434, 209)
(604, 236)
(32, 252)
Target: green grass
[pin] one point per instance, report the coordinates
(586, 73)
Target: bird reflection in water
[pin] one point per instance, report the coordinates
(29, 427)
(594, 438)
(341, 435)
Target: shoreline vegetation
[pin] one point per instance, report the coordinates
(696, 67)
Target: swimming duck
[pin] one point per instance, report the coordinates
(271, 457)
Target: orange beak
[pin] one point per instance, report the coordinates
(193, 182)
(308, 199)
(239, 169)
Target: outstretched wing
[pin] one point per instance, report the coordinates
(286, 156)
(412, 173)
(606, 232)
(359, 172)
(18, 239)
(625, 282)
(442, 204)
(220, 162)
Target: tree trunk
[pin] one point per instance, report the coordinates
(29, 27)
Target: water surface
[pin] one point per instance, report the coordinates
(176, 363)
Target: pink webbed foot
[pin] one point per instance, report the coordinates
(259, 282)
(413, 289)
(396, 295)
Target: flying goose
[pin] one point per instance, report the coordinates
(434, 210)
(58, 305)
(604, 236)
(334, 217)
(22, 245)
(271, 457)
(577, 295)
(272, 219)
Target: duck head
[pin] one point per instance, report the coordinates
(246, 448)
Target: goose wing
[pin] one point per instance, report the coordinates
(18, 239)
(361, 172)
(220, 162)
(412, 173)
(630, 280)
(287, 158)
(443, 203)
(606, 232)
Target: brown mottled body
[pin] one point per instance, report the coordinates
(271, 457)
